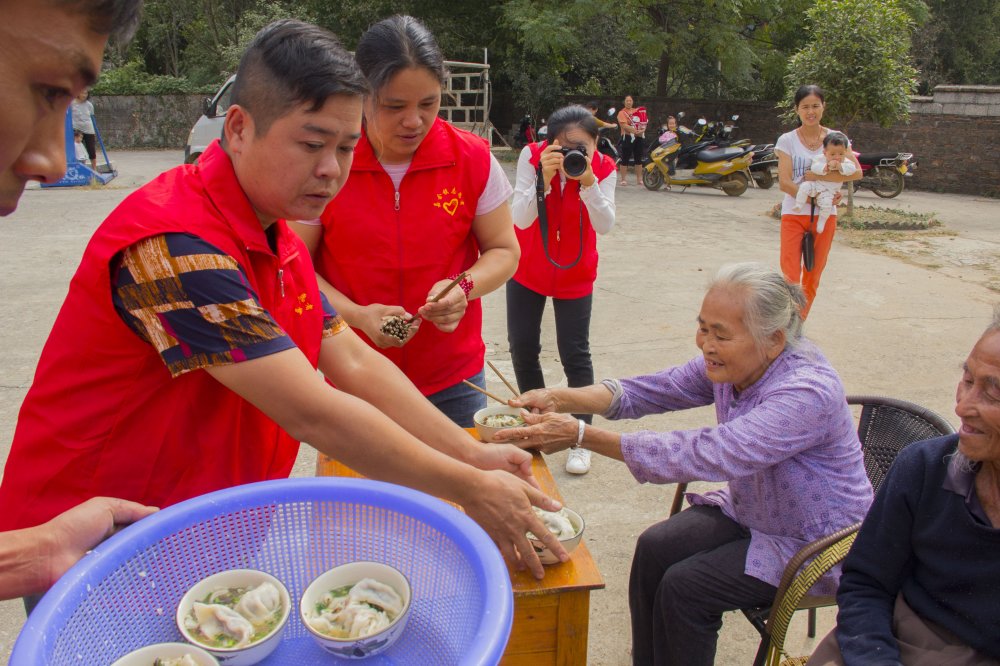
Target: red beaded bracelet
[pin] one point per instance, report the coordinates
(466, 284)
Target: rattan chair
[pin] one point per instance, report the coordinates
(795, 582)
(885, 427)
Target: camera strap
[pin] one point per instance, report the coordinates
(543, 222)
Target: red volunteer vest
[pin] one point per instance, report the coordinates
(380, 246)
(104, 417)
(535, 271)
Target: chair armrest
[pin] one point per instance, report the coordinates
(675, 505)
(825, 552)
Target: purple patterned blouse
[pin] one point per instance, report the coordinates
(787, 445)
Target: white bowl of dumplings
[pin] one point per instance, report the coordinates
(168, 654)
(238, 615)
(356, 610)
(565, 524)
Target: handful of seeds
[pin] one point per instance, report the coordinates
(396, 326)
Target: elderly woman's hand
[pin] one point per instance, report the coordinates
(548, 433)
(536, 401)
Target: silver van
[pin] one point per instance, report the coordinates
(209, 126)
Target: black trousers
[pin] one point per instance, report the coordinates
(524, 331)
(686, 572)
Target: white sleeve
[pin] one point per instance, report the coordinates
(600, 202)
(497, 189)
(848, 167)
(782, 146)
(523, 206)
(818, 165)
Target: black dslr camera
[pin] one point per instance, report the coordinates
(574, 161)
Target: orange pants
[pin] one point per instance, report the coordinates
(793, 227)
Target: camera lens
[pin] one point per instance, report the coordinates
(575, 163)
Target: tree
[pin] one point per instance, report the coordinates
(860, 55)
(961, 44)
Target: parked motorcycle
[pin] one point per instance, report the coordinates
(884, 173)
(607, 146)
(726, 169)
(764, 166)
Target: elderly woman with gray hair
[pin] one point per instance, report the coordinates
(785, 442)
(921, 585)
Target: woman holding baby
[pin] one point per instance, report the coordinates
(797, 151)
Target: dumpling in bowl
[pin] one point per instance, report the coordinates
(356, 611)
(259, 604)
(363, 620)
(556, 522)
(221, 625)
(371, 591)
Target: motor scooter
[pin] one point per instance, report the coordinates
(884, 173)
(607, 146)
(764, 167)
(726, 169)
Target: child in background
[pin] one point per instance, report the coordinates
(83, 122)
(81, 151)
(668, 134)
(834, 158)
(668, 131)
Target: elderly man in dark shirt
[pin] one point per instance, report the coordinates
(921, 586)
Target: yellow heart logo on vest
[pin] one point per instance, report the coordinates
(449, 200)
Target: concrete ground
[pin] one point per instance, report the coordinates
(889, 326)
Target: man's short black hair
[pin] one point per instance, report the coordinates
(289, 63)
(115, 18)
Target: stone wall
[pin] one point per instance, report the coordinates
(146, 121)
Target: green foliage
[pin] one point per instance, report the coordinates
(859, 54)
(540, 51)
(960, 45)
(132, 79)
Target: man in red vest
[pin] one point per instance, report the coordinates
(49, 53)
(184, 358)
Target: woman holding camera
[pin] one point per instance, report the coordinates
(424, 203)
(559, 250)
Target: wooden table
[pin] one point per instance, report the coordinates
(551, 616)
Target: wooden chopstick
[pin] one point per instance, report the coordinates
(438, 296)
(448, 287)
(484, 391)
(503, 379)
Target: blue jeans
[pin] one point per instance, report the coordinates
(459, 402)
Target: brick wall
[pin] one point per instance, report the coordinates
(954, 148)
(146, 121)
(954, 134)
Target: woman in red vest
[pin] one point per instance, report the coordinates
(559, 253)
(425, 202)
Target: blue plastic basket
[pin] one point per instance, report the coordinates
(124, 594)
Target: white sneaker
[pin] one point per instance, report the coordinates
(578, 461)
